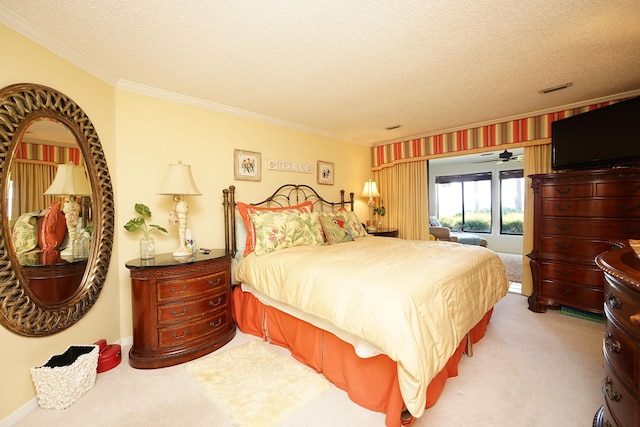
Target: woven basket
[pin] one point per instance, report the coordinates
(65, 377)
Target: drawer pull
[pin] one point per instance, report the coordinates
(566, 190)
(613, 301)
(635, 319)
(563, 227)
(216, 283)
(627, 189)
(184, 288)
(565, 291)
(217, 303)
(627, 208)
(563, 208)
(184, 311)
(612, 346)
(218, 323)
(184, 334)
(614, 396)
(562, 245)
(564, 273)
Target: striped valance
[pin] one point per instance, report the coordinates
(48, 153)
(510, 132)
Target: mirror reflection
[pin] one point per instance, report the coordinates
(49, 208)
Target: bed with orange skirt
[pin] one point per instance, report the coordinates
(386, 320)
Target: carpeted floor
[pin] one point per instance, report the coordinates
(529, 370)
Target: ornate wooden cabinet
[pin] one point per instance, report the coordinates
(621, 345)
(575, 215)
(181, 310)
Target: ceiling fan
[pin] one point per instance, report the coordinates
(505, 156)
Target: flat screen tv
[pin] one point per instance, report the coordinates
(602, 138)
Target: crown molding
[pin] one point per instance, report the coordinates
(38, 36)
(193, 101)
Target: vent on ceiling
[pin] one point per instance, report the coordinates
(392, 127)
(555, 88)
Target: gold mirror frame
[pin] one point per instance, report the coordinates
(20, 106)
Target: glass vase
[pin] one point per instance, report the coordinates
(147, 248)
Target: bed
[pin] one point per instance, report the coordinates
(385, 319)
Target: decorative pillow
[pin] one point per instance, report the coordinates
(246, 210)
(25, 232)
(434, 222)
(354, 223)
(336, 229)
(52, 228)
(284, 229)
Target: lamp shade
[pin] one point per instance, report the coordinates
(70, 180)
(179, 181)
(370, 189)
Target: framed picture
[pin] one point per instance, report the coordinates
(325, 172)
(247, 165)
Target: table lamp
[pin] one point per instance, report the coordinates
(370, 190)
(70, 181)
(178, 183)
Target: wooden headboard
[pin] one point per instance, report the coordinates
(286, 195)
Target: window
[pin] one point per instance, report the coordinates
(511, 202)
(464, 202)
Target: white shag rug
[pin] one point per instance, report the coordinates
(256, 385)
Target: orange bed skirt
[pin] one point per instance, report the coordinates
(371, 383)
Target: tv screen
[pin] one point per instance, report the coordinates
(606, 137)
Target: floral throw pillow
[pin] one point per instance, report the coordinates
(246, 210)
(25, 232)
(354, 223)
(336, 230)
(276, 230)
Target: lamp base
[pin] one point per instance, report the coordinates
(182, 251)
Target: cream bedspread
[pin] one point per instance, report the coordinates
(414, 300)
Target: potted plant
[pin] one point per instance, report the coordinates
(380, 211)
(147, 246)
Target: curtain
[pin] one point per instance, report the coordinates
(404, 194)
(537, 159)
(29, 180)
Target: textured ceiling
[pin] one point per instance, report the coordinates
(349, 69)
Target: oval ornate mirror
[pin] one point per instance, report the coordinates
(24, 310)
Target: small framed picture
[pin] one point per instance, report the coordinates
(325, 172)
(247, 165)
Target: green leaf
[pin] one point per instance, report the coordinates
(157, 227)
(134, 224)
(143, 210)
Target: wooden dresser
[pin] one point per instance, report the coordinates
(621, 345)
(575, 215)
(181, 310)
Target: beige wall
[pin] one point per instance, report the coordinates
(141, 135)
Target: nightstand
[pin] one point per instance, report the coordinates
(384, 232)
(181, 309)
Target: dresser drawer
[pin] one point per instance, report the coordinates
(184, 333)
(185, 288)
(621, 306)
(622, 404)
(581, 247)
(572, 294)
(590, 227)
(617, 189)
(611, 207)
(622, 354)
(567, 190)
(180, 312)
(572, 273)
